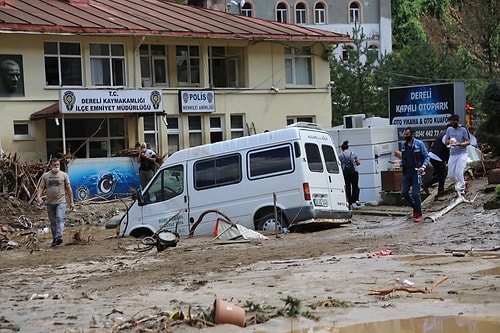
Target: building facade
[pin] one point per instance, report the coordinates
(93, 77)
(372, 16)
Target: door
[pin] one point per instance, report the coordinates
(165, 201)
(322, 171)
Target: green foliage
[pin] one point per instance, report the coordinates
(356, 89)
(207, 314)
(497, 193)
(489, 130)
(252, 306)
(292, 306)
(406, 27)
(436, 8)
(362, 86)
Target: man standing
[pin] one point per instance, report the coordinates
(457, 138)
(146, 158)
(349, 161)
(414, 160)
(56, 185)
(439, 155)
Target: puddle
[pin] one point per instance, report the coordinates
(491, 271)
(431, 324)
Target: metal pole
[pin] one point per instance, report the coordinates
(275, 215)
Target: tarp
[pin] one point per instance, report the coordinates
(473, 154)
(232, 231)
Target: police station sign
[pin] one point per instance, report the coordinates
(426, 108)
(110, 101)
(196, 101)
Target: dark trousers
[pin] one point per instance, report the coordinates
(351, 187)
(438, 175)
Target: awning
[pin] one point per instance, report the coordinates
(51, 111)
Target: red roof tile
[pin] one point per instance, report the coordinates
(147, 17)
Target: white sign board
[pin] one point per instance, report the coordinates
(110, 101)
(196, 101)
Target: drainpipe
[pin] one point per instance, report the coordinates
(455, 203)
(136, 50)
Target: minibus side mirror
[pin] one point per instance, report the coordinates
(140, 197)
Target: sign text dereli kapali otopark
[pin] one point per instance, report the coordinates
(110, 101)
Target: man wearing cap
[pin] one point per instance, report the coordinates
(457, 138)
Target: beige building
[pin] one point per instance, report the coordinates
(94, 80)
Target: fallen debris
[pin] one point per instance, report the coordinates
(377, 292)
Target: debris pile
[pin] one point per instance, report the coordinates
(19, 179)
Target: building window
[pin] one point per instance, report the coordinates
(63, 64)
(87, 137)
(300, 14)
(151, 130)
(281, 13)
(246, 10)
(195, 131)
(348, 53)
(22, 130)
(319, 14)
(216, 129)
(173, 135)
(107, 65)
(372, 53)
(188, 65)
(354, 13)
(153, 65)
(292, 120)
(223, 67)
(298, 69)
(237, 126)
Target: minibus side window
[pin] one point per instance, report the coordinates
(296, 146)
(270, 162)
(167, 184)
(332, 165)
(220, 171)
(313, 157)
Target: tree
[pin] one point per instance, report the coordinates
(489, 130)
(355, 89)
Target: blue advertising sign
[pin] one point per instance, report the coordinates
(426, 108)
(106, 178)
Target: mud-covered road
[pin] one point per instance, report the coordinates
(100, 284)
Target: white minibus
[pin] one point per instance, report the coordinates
(295, 169)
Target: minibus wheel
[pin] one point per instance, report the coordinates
(268, 222)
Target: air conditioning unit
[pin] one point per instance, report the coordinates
(354, 121)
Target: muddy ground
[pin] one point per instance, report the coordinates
(99, 283)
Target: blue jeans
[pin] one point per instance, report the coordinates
(56, 217)
(410, 179)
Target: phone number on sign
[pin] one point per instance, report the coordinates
(427, 133)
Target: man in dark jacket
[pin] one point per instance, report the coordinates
(439, 154)
(414, 161)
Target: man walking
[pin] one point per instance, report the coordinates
(439, 155)
(57, 187)
(457, 137)
(414, 160)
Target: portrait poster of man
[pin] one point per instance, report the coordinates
(11, 71)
